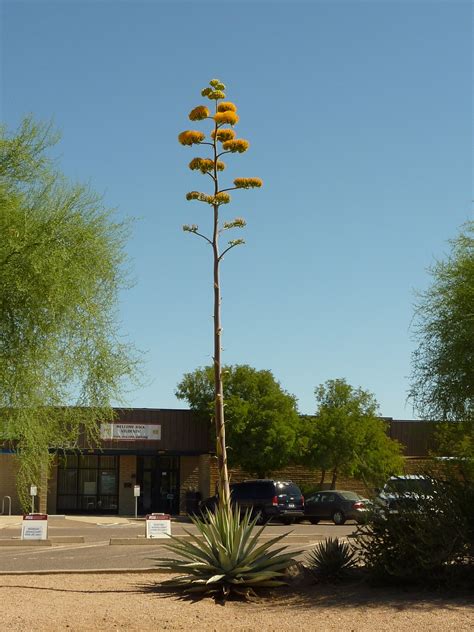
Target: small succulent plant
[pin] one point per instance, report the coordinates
(330, 559)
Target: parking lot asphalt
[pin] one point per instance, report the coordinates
(96, 553)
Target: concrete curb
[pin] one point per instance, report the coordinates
(26, 543)
(97, 571)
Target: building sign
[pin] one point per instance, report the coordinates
(131, 432)
(34, 527)
(158, 526)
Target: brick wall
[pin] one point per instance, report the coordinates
(188, 478)
(8, 470)
(308, 479)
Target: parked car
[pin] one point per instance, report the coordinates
(281, 500)
(336, 505)
(404, 492)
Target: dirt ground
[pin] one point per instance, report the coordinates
(135, 601)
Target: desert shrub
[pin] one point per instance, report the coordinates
(420, 541)
(331, 559)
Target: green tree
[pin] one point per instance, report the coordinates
(261, 418)
(222, 141)
(61, 267)
(442, 384)
(347, 437)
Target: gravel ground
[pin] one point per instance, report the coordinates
(134, 601)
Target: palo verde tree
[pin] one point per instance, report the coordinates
(442, 385)
(222, 140)
(61, 267)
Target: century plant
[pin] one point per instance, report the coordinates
(226, 558)
(330, 559)
(222, 140)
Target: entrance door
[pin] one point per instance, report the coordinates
(158, 477)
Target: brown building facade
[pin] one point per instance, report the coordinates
(169, 455)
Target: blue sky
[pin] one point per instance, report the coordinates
(359, 116)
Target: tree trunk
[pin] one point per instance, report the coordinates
(334, 478)
(321, 480)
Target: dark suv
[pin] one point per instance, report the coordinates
(269, 499)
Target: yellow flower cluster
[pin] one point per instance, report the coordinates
(238, 222)
(197, 195)
(205, 165)
(191, 137)
(247, 183)
(238, 145)
(216, 94)
(226, 117)
(202, 164)
(223, 134)
(199, 113)
(219, 198)
(226, 106)
(217, 84)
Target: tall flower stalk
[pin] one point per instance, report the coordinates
(222, 141)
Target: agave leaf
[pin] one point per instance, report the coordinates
(215, 578)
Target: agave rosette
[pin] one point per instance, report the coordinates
(226, 557)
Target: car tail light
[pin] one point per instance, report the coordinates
(275, 501)
(359, 505)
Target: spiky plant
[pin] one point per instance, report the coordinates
(226, 558)
(330, 559)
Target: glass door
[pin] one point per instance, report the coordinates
(158, 477)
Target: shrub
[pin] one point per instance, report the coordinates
(419, 541)
(330, 559)
(226, 557)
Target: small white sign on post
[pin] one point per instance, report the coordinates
(158, 526)
(33, 493)
(136, 493)
(34, 527)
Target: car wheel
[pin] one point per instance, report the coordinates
(314, 520)
(338, 517)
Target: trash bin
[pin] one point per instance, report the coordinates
(192, 499)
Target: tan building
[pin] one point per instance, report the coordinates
(165, 452)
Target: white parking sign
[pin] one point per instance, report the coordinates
(34, 527)
(158, 526)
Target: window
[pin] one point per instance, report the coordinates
(88, 483)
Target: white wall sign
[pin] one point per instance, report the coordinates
(131, 432)
(158, 526)
(34, 527)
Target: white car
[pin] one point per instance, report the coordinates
(404, 491)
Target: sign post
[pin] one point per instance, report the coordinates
(136, 493)
(158, 526)
(33, 493)
(34, 527)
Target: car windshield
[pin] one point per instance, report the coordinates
(410, 485)
(349, 495)
(288, 488)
